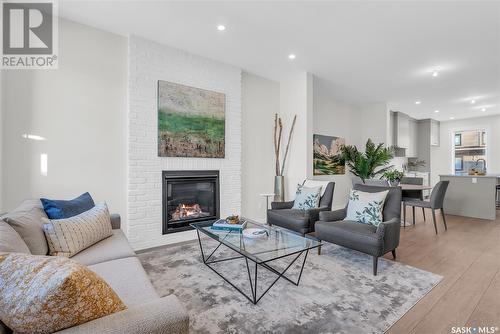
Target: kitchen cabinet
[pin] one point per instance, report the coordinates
(401, 130)
(434, 132)
(412, 150)
(405, 133)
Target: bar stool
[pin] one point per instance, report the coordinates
(497, 196)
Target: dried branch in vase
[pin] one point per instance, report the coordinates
(278, 131)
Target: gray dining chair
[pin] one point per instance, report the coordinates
(436, 202)
(409, 195)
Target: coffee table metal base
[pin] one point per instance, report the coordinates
(254, 298)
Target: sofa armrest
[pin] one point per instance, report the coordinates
(389, 232)
(331, 216)
(313, 215)
(281, 205)
(115, 221)
(163, 315)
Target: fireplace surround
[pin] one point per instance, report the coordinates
(189, 196)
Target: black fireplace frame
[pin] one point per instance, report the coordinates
(179, 175)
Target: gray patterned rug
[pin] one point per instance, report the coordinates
(337, 292)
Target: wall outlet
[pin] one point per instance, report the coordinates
(474, 180)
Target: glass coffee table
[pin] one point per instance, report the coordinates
(277, 243)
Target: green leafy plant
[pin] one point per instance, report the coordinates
(368, 164)
(393, 176)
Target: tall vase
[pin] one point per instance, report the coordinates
(279, 188)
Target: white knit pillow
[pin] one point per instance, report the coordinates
(68, 236)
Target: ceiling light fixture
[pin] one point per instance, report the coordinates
(452, 117)
(483, 109)
(417, 102)
(472, 101)
(436, 111)
(435, 72)
(32, 137)
(221, 27)
(291, 56)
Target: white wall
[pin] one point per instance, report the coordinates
(441, 156)
(260, 101)
(296, 99)
(80, 109)
(374, 123)
(332, 117)
(148, 63)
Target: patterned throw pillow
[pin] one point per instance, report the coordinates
(366, 207)
(306, 198)
(66, 237)
(44, 294)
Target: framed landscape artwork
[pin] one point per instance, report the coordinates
(327, 158)
(191, 121)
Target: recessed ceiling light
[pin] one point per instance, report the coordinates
(418, 102)
(483, 109)
(436, 111)
(221, 27)
(472, 101)
(291, 56)
(435, 73)
(452, 117)
(32, 137)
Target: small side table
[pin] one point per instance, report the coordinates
(267, 201)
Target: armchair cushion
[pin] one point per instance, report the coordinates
(351, 234)
(330, 216)
(291, 219)
(281, 205)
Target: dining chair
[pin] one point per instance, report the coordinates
(436, 202)
(409, 195)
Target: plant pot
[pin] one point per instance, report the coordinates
(279, 188)
(394, 183)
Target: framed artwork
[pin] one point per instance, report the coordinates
(191, 121)
(327, 158)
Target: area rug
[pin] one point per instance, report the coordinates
(337, 292)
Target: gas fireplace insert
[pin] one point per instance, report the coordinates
(189, 196)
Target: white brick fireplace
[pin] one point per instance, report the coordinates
(148, 63)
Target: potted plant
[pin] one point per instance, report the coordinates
(393, 176)
(367, 165)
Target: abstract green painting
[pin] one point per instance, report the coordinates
(191, 121)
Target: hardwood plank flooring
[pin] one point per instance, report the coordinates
(467, 255)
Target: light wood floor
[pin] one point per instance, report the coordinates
(467, 255)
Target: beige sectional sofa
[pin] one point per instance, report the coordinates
(115, 261)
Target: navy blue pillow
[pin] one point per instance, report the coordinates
(58, 209)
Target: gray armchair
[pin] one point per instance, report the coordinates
(301, 221)
(366, 238)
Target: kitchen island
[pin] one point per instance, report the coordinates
(471, 195)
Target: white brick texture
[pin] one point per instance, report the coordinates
(148, 63)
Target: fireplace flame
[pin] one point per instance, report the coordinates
(184, 211)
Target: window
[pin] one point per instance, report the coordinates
(469, 151)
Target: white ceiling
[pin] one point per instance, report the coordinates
(368, 50)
